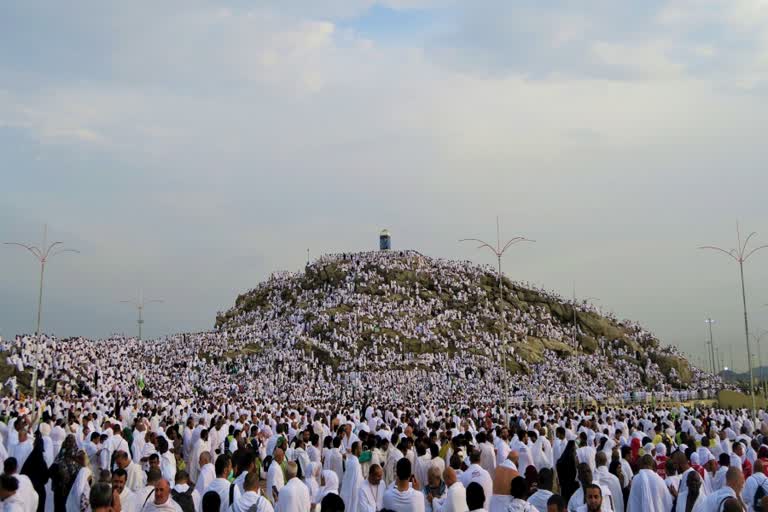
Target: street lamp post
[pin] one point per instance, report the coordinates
(760, 359)
(139, 305)
(711, 344)
(42, 254)
(741, 255)
(718, 365)
(586, 299)
(499, 251)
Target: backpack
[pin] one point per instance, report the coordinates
(255, 506)
(184, 499)
(761, 492)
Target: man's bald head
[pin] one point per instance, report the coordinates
(205, 458)
(162, 491)
(251, 481)
(291, 470)
(601, 459)
(375, 474)
(734, 479)
(449, 475)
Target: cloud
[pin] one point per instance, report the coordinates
(648, 61)
(198, 146)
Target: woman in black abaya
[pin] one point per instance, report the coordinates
(566, 471)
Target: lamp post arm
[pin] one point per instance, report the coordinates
(727, 253)
(31, 248)
(753, 251)
(514, 241)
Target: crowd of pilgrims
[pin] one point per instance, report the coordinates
(143, 456)
(335, 374)
(358, 330)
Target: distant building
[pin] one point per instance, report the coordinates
(385, 241)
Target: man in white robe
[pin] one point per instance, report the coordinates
(402, 496)
(353, 478)
(200, 446)
(161, 500)
(648, 492)
(26, 491)
(348, 438)
(22, 448)
(275, 479)
(604, 477)
(544, 491)
(9, 494)
(335, 461)
(245, 465)
(393, 456)
(187, 440)
(207, 471)
(371, 493)
(92, 447)
(578, 498)
(116, 443)
(252, 497)
(487, 454)
(694, 491)
(685, 469)
(136, 478)
(58, 434)
(182, 486)
(139, 435)
(456, 497)
(423, 463)
(221, 485)
(127, 497)
(734, 484)
(501, 444)
(167, 460)
(475, 473)
(143, 495)
(753, 483)
(294, 496)
(586, 453)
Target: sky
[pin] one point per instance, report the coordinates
(190, 148)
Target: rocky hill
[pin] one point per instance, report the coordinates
(405, 309)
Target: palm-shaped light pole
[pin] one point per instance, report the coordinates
(42, 254)
(584, 301)
(740, 255)
(758, 339)
(711, 344)
(498, 250)
(139, 305)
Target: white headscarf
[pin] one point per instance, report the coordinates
(311, 480)
(331, 485)
(80, 487)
